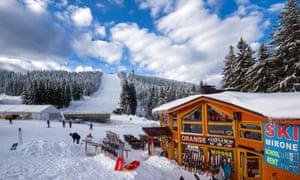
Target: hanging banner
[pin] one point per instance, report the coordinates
(223, 142)
(282, 146)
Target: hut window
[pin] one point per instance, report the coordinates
(192, 122)
(216, 116)
(192, 128)
(251, 131)
(195, 115)
(165, 121)
(219, 123)
(175, 121)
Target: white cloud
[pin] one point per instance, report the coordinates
(118, 2)
(25, 34)
(242, 2)
(37, 6)
(157, 7)
(212, 2)
(83, 68)
(110, 52)
(276, 7)
(192, 43)
(100, 30)
(82, 16)
(23, 65)
(155, 53)
(99, 5)
(62, 3)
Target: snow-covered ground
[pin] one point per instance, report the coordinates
(49, 153)
(105, 100)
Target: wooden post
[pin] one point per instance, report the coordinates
(85, 145)
(149, 151)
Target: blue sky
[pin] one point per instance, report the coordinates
(184, 40)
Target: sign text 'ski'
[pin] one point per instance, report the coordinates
(282, 146)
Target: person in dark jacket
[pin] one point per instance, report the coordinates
(48, 123)
(91, 126)
(63, 123)
(76, 137)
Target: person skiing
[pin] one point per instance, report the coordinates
(91, 126)
(10, 121)
(70, 123)
(63, 123)
(76, 137)
(48, 123)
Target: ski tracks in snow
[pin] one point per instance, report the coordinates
(105, 100)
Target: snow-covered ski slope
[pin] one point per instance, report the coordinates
(105, 100)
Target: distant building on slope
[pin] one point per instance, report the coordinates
(36, 112)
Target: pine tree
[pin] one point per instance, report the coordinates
(228, 77)
(242, 62)
(260, 73)
(162, 96)
(68, 96)
(152, 100)
(124, 96)
(286, 42)
(132, 102)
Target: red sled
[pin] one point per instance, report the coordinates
(119, 164)
(132, 165)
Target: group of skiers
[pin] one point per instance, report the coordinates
(64, 123)
(70, 124)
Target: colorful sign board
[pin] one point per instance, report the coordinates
(214, 141)
(282, 146)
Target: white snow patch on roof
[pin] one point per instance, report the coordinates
(273, 105)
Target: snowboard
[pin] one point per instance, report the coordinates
(13, 146)
(132, 165)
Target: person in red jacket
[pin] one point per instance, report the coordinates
(70, 123)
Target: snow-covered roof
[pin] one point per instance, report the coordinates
(26, 108)
(273, 105)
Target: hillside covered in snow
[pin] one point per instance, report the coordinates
(104, 100)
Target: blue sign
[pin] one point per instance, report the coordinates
(282, 146)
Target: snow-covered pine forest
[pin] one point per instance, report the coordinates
(140, 94)
(50, 87)
(276, 65)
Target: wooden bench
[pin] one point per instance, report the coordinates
(95, 144)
